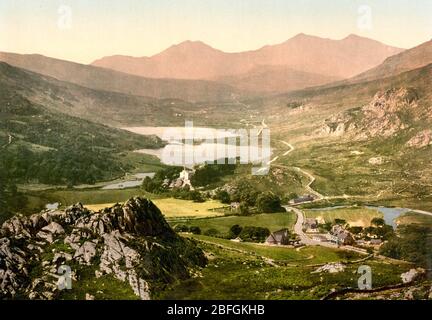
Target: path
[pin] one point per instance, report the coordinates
(298, 229)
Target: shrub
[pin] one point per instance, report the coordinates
(212, 232)
(195, 230)
(269, 202)
(181, 228)
(235, 230)
(254, 234)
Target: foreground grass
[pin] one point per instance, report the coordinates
(233, 274)
(305, 256)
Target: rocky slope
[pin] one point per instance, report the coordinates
(131, 243)
(388, 113)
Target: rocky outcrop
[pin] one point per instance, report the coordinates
(131, 242)
(421, 139)
(388, 113)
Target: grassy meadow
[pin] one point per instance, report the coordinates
(354, 216)
(237, 271)
(272, 221)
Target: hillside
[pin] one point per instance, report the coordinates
(323, 60)
(109, 80)
(354, 94)
(111, 108)
(275, 79)
(43, 143)
(125, 252)
(414, 58)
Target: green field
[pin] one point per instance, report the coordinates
(354, 216)
(304, 256)
(177, 208)
(415, 218)
(272, 221)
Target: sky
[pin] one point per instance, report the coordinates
(85, 30)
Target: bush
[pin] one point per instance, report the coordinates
(269, 202)
(254, 234)
(244, 209)
(211, 232)
(355, 229)
(223, 196)
(235, 230)
(245, 193)
(195, 230)
(181, 228)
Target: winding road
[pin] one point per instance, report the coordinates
(298, 229)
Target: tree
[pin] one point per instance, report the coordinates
(413, 244)
(378, 222)
(269, 202)
(355, 229)
(235, 230)
(341, 222)
(181, 228)
(245, 192)
(244, 209)
(223, 196)
(195, 230)
(254, 234)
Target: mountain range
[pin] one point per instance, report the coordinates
(299, 62)
(194, 71)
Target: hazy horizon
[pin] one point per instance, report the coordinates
(82, 32)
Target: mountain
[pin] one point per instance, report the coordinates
(275, 79)
(327, 58)
(110, 108)
(408, 60)
(354, 93)
(128, 252)
(109, 80)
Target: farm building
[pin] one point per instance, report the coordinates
(305, 198)
(280, 237)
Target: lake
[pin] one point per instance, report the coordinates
(205, 148)
(390, 214)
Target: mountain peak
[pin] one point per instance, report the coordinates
(355, 37)
(301, 36)
(192, 45)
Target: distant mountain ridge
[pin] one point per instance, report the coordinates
(196, 60)
(110, 80)
(414, 58)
